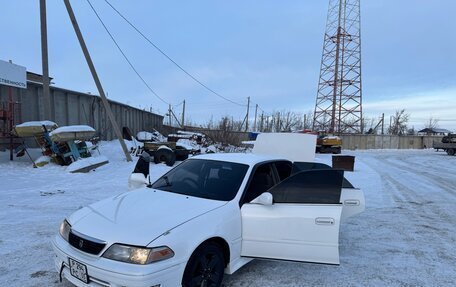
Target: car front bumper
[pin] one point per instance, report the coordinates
(108, 273)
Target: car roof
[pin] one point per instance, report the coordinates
(243, 158)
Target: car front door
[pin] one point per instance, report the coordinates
(301, 225)
(353, 201)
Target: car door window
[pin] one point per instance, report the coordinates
(315, 186)
(303, 166)
(283, 169)
(261, 181)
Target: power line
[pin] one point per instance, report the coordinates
(177, 105)
(124, 55)
(170, 59)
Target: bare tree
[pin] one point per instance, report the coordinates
(286, 121)
(307, 121)
(399, 123)
(411, 131)
(432, 123)
(369, 125)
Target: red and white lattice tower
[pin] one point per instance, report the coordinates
(338, 108)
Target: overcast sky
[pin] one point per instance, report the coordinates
(268, 50)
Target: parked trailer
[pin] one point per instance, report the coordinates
(167, 152)
(450, 148)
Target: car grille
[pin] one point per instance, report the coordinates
(84, 244)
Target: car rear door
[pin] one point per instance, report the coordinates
(301, 225)
(352, 198)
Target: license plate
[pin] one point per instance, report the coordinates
(79, 270)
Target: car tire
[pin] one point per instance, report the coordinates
(165, 155)
(205, 267)
(450, 151)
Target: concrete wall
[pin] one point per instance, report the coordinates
(73, 108)
(387, 141)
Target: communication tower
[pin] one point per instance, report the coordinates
(338, 107)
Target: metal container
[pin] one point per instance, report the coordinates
(343, 162)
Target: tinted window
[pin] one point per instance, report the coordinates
(303, 166)
(261, 181)
(316, 186)
(283, 169)
(210, 179)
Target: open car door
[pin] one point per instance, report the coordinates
(302, 224)
(353, 202)
(352, 198)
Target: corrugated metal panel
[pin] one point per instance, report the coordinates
(73, 108)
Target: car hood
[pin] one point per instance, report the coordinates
(138, 217)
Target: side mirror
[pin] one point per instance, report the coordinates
(264, 199)
(142, 166)
(139, 176)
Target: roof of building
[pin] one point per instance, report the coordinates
(434, 130)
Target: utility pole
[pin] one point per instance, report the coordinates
(183, 116)
(390, 127)
(261, 123)
(45, 62)
(255, 122)
(383, 123)
(97, 80)
(247, 116)
(305, 122)
(169, 114)
(279, 123)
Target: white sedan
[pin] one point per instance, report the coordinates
(208, 216)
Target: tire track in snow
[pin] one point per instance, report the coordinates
(447, 183)
(395, 175)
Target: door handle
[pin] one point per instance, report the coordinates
(351, 202)
(324, 221)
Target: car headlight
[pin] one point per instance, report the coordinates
(138, 255)
(65, 228)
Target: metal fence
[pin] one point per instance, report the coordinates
(74, 108)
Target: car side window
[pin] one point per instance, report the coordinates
(313, 186)
(261, 181)
(283, 169)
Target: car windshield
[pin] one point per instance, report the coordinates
(218, 180)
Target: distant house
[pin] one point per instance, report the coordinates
(434, 131)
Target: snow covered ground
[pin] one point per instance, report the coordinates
(406, 236)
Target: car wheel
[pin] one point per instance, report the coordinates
(166, 156)
(205, 267)
(450, 151)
